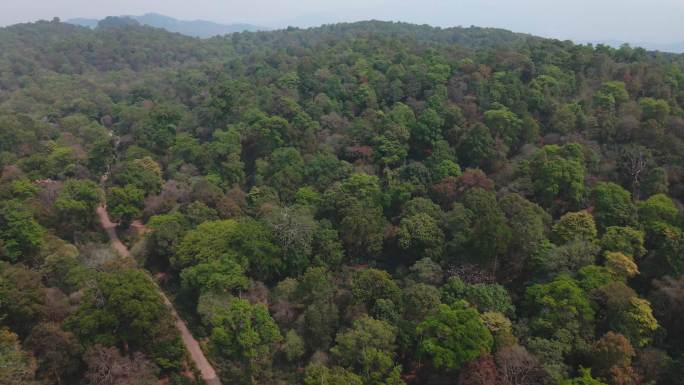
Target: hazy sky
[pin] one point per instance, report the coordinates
(657, 21)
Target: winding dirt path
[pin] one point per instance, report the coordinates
(208, 373)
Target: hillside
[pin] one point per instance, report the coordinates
(365, 203)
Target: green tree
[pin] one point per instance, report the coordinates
(20, 235)
(245, 333)
(453, 336)
(504, 124)
(248, 240)
(366, 333)
(486, 297)
(319, 374)
(420, 300)
(558, 174)
(657, 209)
(489, 233)
(557, 306)
(477, 146)
(124, 307)
(624, 239)
(207, 242)
(371, 285)
(584, 379)
(283, 170)
(573, 226)
(222, 275)
(143, 173)
(293, 346)
(613, 206)
(321, 320)
(125, 204)
(634, 318)
(76, 205)
(167, 231)
(421, 236)
(656, 109)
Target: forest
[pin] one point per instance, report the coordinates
(369, 203)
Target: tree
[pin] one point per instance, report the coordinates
(610, 94)
(501, 328)
(253, 241)
(584, 379)
(557, 306)
(571, 226)
(245, 333)
(125, 204)
(421, 236)
(76, 205)
(167, 231)
(453, 336)
(668, 303)
(143, 173)
(20, 235)
(621, 265)
(635, 320)
(358, 202)
(21, 297)
(293, 346)
(58, 352)
(107, 366)
(568, 258)
(476, 146)
(17, 367)
(427, 130)
(626, 240)
(504, 124)
(558, 175)
(528, 223)
(366, 333)
(248, 240)
(481, 371)
(321, 320)
(319, 374)
(123, 307)
(222, 275)
(420, 300)
(518, 366)
(324, 169)
(371, 285)
(612, 350)
(208, 241)
(657, 209)
(427, 271)
(283, 170)
(613, 206)
(485, 296)
(326, 246)
(656, 109)
(489, 233)
(293, 230)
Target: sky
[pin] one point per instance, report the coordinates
(654, 21)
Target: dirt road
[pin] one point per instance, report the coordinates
(208, 373)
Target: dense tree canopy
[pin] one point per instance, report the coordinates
(368, 203)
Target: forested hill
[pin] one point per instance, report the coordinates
(363, 204)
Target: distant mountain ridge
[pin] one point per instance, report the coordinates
(196, 28)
